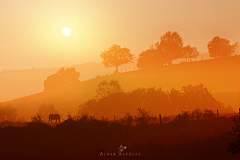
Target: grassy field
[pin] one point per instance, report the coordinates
(86, 138)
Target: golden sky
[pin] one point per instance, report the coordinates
(31, 30)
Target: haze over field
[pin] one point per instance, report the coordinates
(75, 33)
(221, 81)
(20, 83)
(31, 31)
(144, 79)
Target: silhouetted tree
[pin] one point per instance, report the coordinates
(63, 77)
(221, 47)
(190, 52)
(196, 114)
(38, 118)
(127, 119)
(170, 46)
(136, 97)
(115, 103)
(89, 107)
(156, 100)
(115, 56)
(208, 114)
(153, 99)
(234, 147)
(176, 102)
(183, 117)
(104, 88)
(150, 58)
(142, 116)
(199, 97)
(7, 112)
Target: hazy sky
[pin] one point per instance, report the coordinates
(30, 30)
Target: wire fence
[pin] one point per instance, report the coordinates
(202, 57)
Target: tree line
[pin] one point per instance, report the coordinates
(111, 100)
(170, 47)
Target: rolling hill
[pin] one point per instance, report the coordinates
(20, 83)
(220, 76)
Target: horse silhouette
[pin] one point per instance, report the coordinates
(54, 117)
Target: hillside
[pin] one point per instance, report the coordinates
(220, 76)
(20, 83)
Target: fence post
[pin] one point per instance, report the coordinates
(218, 113)
(239, 110)
(160, 118)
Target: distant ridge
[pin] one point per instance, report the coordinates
(20, 83)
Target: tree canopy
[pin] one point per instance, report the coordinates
(170, 45)
(149, 59)
(190, 52)
(198, 96)
(169, 48)
(115, 56)
(221, 47)
(154, 99)
(104, 88)
(63, 77)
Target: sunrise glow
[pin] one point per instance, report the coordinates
(66, 32)
(147, 79)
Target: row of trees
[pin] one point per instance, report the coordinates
(169, 48)
(111, 100)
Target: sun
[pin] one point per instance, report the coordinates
(66, 32)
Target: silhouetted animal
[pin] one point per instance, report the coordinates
(54, 117)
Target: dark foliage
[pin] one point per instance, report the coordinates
(221, 47)
(234, 147)
(105, 88)
(190, 52)
(155, 100)
(85, 137)
(169, 48)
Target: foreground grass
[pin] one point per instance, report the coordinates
(86, 138)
